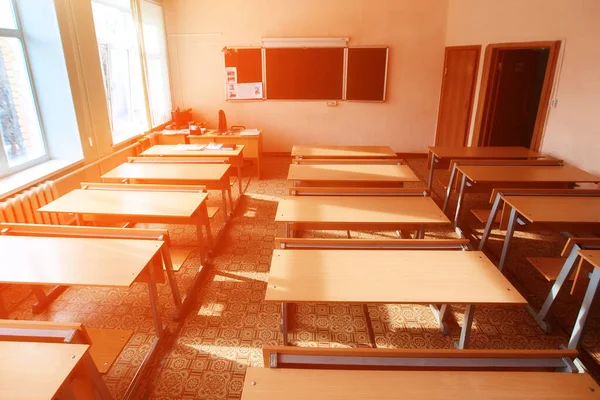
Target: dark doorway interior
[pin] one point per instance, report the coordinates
(516, 88)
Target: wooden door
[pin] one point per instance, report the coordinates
(456, 99)
(516, 97)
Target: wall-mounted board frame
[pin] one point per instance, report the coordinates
(244, 73)
(286, 70)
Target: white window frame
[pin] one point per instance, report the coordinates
(136, 16)
(5, 170)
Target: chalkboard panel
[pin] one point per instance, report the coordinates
(305, 73)
(366, 74)
(248, 63)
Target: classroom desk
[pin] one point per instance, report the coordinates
(347, 152)
(321, 384)
(389, 277)
(360, 213)
(136, 207)
(253, 146)
(351, 174)
(84, 262)
(234, 156)
(510, 175)
(214, 176)
(441, 153)
(32, 370)
(549, 211)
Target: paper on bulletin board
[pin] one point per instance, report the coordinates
(244, 91)
(231, 74)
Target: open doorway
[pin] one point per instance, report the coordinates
(516, 88)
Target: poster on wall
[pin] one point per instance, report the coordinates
(245, 91)
(231, 75)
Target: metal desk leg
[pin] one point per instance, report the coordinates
(240, 162)
(204, 216)
(66, 392)
(230, 197)
(510, 230)
(166, 255)
(449, 188)
(463, 184)
(284, 323)
(465, 332)
(154, 302)
(421, 233)
(102, 391)
(44, 299)
(224, 204)
(585, 309)
(369, 326)
(160, 334)
(431, 166)
(441, 315)
(563, 275)
(490, 222)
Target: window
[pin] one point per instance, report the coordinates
(137, 88)
(155, 48)
(22, 143)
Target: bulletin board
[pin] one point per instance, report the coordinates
(367, 73)
(304, 73)
(244, 73)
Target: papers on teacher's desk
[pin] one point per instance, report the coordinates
(213, 146)
(250, 132)
(190, 147)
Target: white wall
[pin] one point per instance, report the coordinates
(414, 31)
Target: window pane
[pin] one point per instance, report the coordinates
(7, 17)
(155, 47)
(121, 68)
(19, 124)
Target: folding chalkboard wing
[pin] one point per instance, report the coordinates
(367, 73)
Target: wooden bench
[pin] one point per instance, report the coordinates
(350, 175)
(177, 160)
(560, 360)
(342, 161)
(324, 373)
(343, 152)
(380, 275)
(364, 244)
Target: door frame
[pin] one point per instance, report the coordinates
(481, 125)
(471, 98)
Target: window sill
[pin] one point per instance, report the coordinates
(21, 180)
(124, 141)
